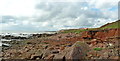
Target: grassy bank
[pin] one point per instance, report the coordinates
(106, 26)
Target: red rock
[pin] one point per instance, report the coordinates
(62, 48)
(50, 56)
(51, 48)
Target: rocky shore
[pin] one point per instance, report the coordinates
(93, 44)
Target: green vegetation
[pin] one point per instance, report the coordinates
(98, 49)
(111, 25)
(77, 30)
(74, 31)
(107, 26)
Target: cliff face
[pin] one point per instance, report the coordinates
(100, 34)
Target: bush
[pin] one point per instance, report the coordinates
(98, 49)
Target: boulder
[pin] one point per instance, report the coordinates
(77, 51)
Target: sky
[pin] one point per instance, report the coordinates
(52, 15)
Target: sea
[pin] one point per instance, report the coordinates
(21, 34)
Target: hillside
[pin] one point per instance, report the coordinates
(112, 25)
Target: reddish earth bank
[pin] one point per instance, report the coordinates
(100, 34)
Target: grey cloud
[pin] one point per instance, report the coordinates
(6, 19)
(62, 15)
(60, 12)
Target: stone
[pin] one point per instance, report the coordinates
(77, 51)
(51, 48)
(34, 57)
(114, 57)
(26, 56)
(46, 53)
(101, 45)
(45, 46)
(26, 50)
(62, 48)
(105, 55)
(93, 43)
(62, 54)
(50, 56)
(54, 51)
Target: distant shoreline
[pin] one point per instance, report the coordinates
(28, 32)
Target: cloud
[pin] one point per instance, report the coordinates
(45, 16)
(6, 19)
(17, 7)
(103, 4)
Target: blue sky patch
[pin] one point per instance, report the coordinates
(113, 9)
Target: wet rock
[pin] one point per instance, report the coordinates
(3, 45)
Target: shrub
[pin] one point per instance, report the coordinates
(98, 49)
